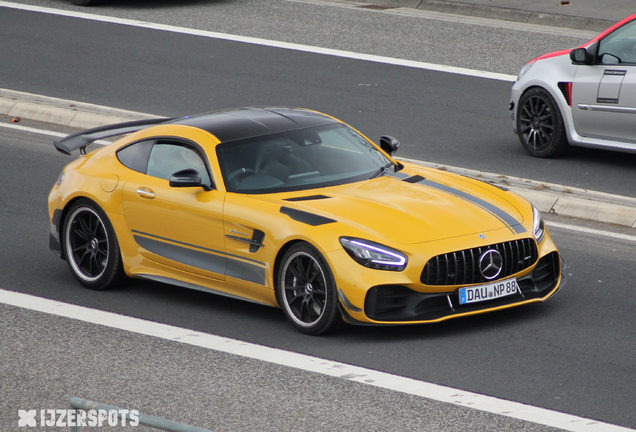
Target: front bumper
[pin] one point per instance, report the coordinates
(384, 298)
(395, 303)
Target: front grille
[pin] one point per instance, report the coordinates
(462, 267)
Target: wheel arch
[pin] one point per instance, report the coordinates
(278, 260)
(63, 217)
(560, 137)
(559, 98)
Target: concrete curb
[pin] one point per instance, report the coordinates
(496, 12)
(549, 198)
(79, 115)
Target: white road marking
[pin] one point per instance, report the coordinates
(312, 364)
(46, 132)
(32, 130)
(266, 42)
(592, 231)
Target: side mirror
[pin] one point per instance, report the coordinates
(585, 56)
(579, 56)
(186, 178)
(389, 144)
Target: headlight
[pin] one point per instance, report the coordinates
(538, 225)
(525, 68)
(374, 255)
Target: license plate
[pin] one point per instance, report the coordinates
(489, 291)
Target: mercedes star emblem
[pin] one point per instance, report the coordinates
(490, 264)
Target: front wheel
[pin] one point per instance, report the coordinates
(306, 291)
(91, 247)
(540, 124)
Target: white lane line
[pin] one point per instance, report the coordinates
(592, 231)
(312, 364)
(46, 132)
(266, 42)
(32, 130)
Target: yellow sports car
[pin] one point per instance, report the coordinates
(295, 209)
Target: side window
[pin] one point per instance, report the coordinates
(619, 46)
(135, 156)
(168, 158)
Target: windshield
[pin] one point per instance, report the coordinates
(299, 159)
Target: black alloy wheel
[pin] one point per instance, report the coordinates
(306, 291)
(540, 124)
(91, 247)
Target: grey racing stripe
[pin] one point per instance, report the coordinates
(245, 271)
(156, 237)
(398, 175)
(203, 260)
(215, 262)
(513, 224)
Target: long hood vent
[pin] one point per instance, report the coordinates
(308, 198)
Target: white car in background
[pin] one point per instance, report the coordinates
(581, 97)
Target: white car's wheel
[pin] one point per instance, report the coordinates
(540, 124)
(306, 291)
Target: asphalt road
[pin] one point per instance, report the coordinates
(202, 387)
(575, 353)
(438, 117)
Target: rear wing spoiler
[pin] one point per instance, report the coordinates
(81, 139)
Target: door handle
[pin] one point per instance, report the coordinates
(145, 192)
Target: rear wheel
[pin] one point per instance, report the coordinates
(91, 247)
(306, 291)
(540, 124)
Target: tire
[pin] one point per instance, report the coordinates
(91, 247)
(540, 124)
(84, 2)
(306, 291)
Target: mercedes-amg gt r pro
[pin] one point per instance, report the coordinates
(581, 97)
(293, 208)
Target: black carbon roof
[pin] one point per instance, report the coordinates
(243, 123)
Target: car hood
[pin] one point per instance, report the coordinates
(413, 209)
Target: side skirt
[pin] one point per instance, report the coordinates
(188, 285)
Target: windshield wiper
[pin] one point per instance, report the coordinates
(383, 170)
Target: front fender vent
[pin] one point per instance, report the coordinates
(566, 89)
